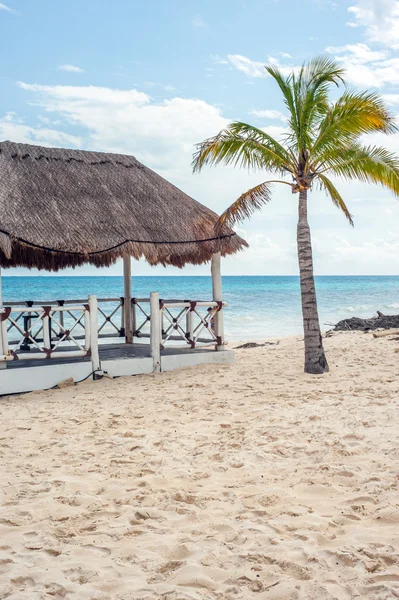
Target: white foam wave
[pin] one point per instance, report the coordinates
(353, 309)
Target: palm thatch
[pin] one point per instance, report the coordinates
(63, 208)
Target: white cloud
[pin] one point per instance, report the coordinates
(16, 130)
(367, 67)
(199, 23)
(254, 68)
(359, 52)
(251, 68)
(377, 249)
(391, 99)
(161, 134)
(7, 8)
(269, 114)
(380, 18)
(70, 68)
(364, 65)
(219, 60)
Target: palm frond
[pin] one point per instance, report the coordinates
(285, 85)
(368, 164)
(322, 70)
(244, 207)
(259, 135)
(311, 92)
(246, 146)
(335, 196)
(353, 115)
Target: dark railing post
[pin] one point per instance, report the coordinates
(122, 328)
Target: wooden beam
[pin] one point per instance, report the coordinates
(127, 294)
(95, 356)
(386, 333)
(217, 296)
(155, 331)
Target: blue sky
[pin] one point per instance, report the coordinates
(152, 79)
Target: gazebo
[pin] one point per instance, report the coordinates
(65, 208)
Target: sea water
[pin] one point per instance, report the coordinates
(258, 306)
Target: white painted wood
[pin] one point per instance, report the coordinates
(171, 362)
(217, 296)
(128, 366)
(41, 377)
(61, 322)
(155, 335)
(180, 304)
(37, 308)
(134, 319)
(42, 355)
(190, 324)
(87, 329)
(95, 357)
(2, 365)
(127, 305)
(46, 333)
(4, 335)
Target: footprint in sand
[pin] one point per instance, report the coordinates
(80, 575)
(5, 564)
(52, 552)
(100, 550)
(55, 590)
(23, 582)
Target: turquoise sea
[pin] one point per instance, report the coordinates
(259, 307)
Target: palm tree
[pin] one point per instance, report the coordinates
(323, 139)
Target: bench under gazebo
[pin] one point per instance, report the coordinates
(65, 208)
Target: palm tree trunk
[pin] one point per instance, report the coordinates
(315, 359)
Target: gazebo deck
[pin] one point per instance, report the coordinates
(44, 344)
(117, 360)
(113, 351)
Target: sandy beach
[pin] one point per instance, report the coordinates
(250, 481)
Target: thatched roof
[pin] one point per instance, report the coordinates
(61, 208)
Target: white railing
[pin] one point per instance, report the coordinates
(193, 322)
(181, 320)
(110, 317)
(72, 328)
(198, 324)
(37, 332)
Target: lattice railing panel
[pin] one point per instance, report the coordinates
(110, 312)
(192, 322)
(141, 317)
(44, 332)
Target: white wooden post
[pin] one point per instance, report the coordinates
(95, 357)
(87, 329)
(155, 337)
(46, 332)
(3, 330)
(217, 296)
(190, 324)
(134, 319)
(127, 304)
(61, 319)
